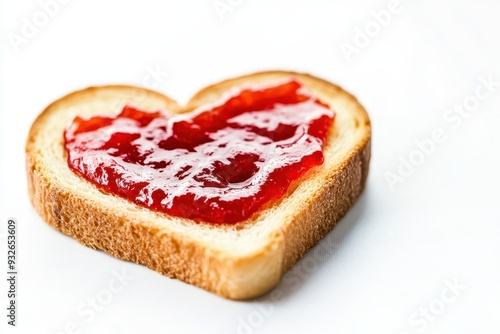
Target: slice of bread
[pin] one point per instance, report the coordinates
(235, 261)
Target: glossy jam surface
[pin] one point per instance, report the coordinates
(219, 164)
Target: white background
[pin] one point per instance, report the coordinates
(395, 250)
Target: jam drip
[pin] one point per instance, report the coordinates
(218, 164)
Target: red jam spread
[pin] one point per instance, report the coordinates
(218, 164)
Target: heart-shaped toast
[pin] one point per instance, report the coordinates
(240, 256)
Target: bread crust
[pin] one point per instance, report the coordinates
(167, 245)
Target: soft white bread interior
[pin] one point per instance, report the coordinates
(236, 261)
